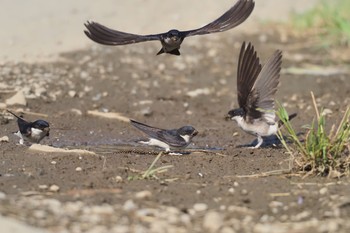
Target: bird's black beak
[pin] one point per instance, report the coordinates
(228, 117)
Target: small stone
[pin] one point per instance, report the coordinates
(72, 93)
(212, 221)
(198, 207)
(76, 111)
(326, 112)
(4, 139)
(244, 192)
(146, 111)
(129, 205)
(43, 186)
(53, 162)
(78, 169)
(17, 99)
(231, 190)
(54, 188)
(235, 184)
(2, 195)
(118, 179)
(323, 190)
(143, 194)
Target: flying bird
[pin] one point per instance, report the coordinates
(32, 132)
(166, 139)
(256, 88)
(172, 39)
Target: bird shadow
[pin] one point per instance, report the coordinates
(269, 141)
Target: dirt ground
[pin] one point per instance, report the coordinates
(223, 189)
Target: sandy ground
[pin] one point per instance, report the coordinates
(222, 189)
(39, 30)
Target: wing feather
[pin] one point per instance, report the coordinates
(230, 19)
(248, 70)
(168, 136)
(106, 36)
(266, 85)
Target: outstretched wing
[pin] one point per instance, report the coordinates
(230, 19)
(265, 87)
(168, 136)
(248, 70)
(106, 36)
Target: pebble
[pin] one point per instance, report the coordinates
(212, 221)
(118, 179)
(197, 92)
(198, 207)
(53, 162)
(231, 190)
(78, 169)
(323, 190)
(17, 99)
(143, 194)
(72, 93)
(54, 188)
(43, 186)
(4, 139)
(129, 205)
(2, 195)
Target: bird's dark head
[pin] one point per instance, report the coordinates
(42, 125)
(235, 113)
(187, 131)
(174, 35)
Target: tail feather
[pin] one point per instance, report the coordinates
(290, 117)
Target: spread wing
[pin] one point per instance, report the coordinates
(265, 86)
(248, 70)
(106, 36)
(230, 19)
(170, 137)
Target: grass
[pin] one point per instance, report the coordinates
(152, 171)
(330, 20)
(321, 152)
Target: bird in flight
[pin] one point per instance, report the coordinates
(166, 139)
(171, 40)
(256, 88)
(32, 132)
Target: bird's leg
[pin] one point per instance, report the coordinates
(260, 141)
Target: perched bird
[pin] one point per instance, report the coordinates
(172, 39)
(256, 87)
(174, 138)
(32, 132)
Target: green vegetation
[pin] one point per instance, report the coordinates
(329, 19)
(321, 152)
(151, 172)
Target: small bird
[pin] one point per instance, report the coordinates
(166, 139)
(172, 39)
(256, 87)
(32, 132)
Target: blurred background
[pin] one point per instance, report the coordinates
(39, 30)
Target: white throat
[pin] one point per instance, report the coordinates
(186, 138)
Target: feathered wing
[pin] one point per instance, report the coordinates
(230, 19)
(168, 136)
(106, 36)
(248, 70)
(265, 86)
(23, 125)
